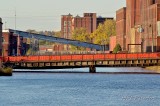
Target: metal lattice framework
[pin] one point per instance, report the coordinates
(59, 40)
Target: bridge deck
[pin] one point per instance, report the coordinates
(84, 60)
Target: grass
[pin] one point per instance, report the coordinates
(6, 71)
(154, 68)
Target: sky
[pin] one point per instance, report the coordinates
(44, 15)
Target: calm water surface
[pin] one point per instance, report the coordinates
(80, 89)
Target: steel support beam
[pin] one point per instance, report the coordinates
(59, 40)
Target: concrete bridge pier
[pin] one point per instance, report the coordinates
(92, 69)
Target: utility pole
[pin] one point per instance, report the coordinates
(5, 25)
(15, 19)
(18, 41)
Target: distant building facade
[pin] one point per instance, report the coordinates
(66, 26)
(142, 25)
(69, 23)
(89, 21)
(13, 44)
(112, 43)
(121, 27)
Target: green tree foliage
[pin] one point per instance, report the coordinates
(103, 32)
(81, 35)
(32, 31)
(57, 34)
(117, 48)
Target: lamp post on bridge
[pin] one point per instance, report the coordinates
(151, 26)
(141, 30)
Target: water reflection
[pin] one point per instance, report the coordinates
(86, 70)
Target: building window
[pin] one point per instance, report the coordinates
(65, 23)
(153, 1)
(69, 29)
(69, 23)
(65, 29)
(65, 35)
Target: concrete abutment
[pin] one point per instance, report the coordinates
(92, 69)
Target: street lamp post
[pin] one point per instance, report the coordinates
(151, 26)
(141, 30)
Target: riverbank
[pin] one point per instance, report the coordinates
(154, 68)
(6, 72)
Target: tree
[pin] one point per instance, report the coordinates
(117, 48)
(104, 31)
(32, 31)
(80, 34)
(57, 34)
(48, 33)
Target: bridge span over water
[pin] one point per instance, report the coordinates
(59, 40)
(83, 60)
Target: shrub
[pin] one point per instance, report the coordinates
(6, 71)
(117, 48)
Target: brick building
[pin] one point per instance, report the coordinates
(69, 23)
(142, 25)
(132, 21)
(66, 26)
(112, 43)
(121, 27)
(13, 44)
(90, 21)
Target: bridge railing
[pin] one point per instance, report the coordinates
(82, 57)
(68, 52)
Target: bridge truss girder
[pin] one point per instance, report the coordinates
(59, 40)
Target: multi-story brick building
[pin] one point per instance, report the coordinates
(69, 23)
(66, 25)
(121, 27)
(13, 44)
(89, 21)
(142, 25)
(133, 43)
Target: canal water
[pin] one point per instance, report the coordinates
(81, 89)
